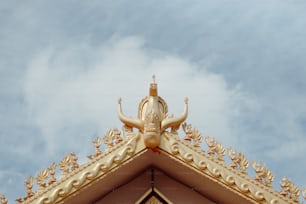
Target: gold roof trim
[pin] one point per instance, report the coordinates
(71, 182)
(124, 146)
(217, 170)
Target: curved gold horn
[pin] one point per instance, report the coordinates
(131, 122)
(175, 121)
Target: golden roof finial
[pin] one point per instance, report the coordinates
(153, 87)
(153, 78)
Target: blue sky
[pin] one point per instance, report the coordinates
(64, 64)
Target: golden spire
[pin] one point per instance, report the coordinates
(153, 87)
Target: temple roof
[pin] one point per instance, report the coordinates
(148, 152)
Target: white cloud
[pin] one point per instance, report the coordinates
(67, 98)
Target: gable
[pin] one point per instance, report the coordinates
(156, 157)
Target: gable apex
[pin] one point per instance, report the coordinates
(152, 141)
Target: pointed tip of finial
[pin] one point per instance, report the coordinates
(153, 86)
(153, 78)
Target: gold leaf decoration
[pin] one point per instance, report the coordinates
(3, 200)
(111, 138)
(41, 180)
(117, 136)
(192, 135)
(51, 170)
(65, 166)
(263, 174)
(29, 186)
(108, 139)
(215, 148)
(74, 161)
(290, 190)
(97, 143)
(238, 160)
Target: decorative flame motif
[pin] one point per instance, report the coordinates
(289, 189)
(262, 173)
(65, 166)
(238, 160)
(51, 170)
(3, 199)
(74, 161)
(192, 134)
(68, 164)
(97, 143)
(108, 139)
(29, 186)
(153, 117)
(215, 148)
(41, 180)
(117, 136)
(112, 137)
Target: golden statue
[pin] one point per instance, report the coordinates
(152, 118)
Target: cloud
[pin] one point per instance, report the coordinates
(71, 93)
(241, 65)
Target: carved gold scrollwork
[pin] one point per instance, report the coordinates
(238, 160)
(68, 164)
(65, 166)
(192, 135)
(215, 148)
(262, 173)
(112, 137)
(74, 161)
(41, 180)
(3, 200)
(97, 143)
(51, 170)
(117, 136)
(289, 189)
(29, 186)
(108, 139)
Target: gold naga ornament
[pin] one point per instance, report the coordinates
(153, 117)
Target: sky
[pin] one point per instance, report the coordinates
(64, 64)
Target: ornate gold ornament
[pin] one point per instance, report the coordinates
(29, 186)
(97, 143)
(263, 174)
(68, 164)
(41, 180)
(3, 199)
(65, 166)
(51, 170)
(215, 148)
(74, 161)
(289, 189)
(192, 135)
(153, 118)
(94, 170)
(238, 160)
(111, 138)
